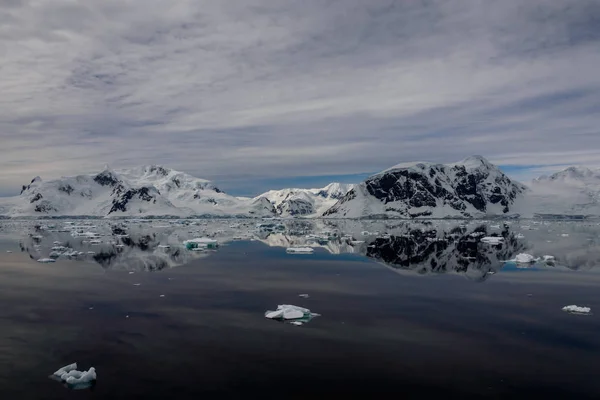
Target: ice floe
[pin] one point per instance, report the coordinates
(201, 243)
(73, 378)
(525, 258)
(573, 309)
(291, 314)
(492, 240)
(300, 250)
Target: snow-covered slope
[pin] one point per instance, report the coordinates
(306, 202)
(573, 191)
(470, 188)
(141, 191)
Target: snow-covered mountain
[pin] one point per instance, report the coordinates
(141, 191)
(573, 191)
(470, 188)
(306, 202)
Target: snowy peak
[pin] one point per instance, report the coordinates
(334, 190)
(107, 178)
(572, 174)
(305, 202)
(475, 162)
(572, 191)
(34, 182)
(165, 178)
(141, 191)
(469, 188)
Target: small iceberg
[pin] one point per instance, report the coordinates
(74, 379)
(300, 250)
(524, 258)
(573, 309)
(291, 314)
(548, 258)
(495, 240)
(46, 260)
(201, 243)
(66, 369)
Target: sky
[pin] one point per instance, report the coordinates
(261, 94)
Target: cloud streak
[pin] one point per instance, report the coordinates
(268, 89)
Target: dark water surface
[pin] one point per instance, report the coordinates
(384, 331)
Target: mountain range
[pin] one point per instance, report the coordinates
(471, 188)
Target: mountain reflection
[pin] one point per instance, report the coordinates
(421, 247)
(431, 251)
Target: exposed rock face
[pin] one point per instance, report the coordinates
(467, 189)
(145, 194)
(106, 178)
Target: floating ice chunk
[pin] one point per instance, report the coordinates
(77, 377)
(274, 314)
(9, 251)
(573, 309)
(564, 235)
(300, 250)
(492, 239)
(520, 236)
(290, 313)
(201, 243)
(303, 295)
(525, 258)
(46, 260)
(65, 369)
(548, 258)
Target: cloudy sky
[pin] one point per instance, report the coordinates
(260, 93)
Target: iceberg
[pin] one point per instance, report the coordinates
(573, 309)
(75, 379)
(66, 369)
(300, 250)
(291, 314)
(200, 243)
(524, 258)
(46, 260)
(495, 240)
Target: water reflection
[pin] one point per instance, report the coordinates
(423, 247)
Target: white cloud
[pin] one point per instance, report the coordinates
(281, 88)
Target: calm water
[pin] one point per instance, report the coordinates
(408, 310)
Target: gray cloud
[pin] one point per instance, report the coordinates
(267, 89)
